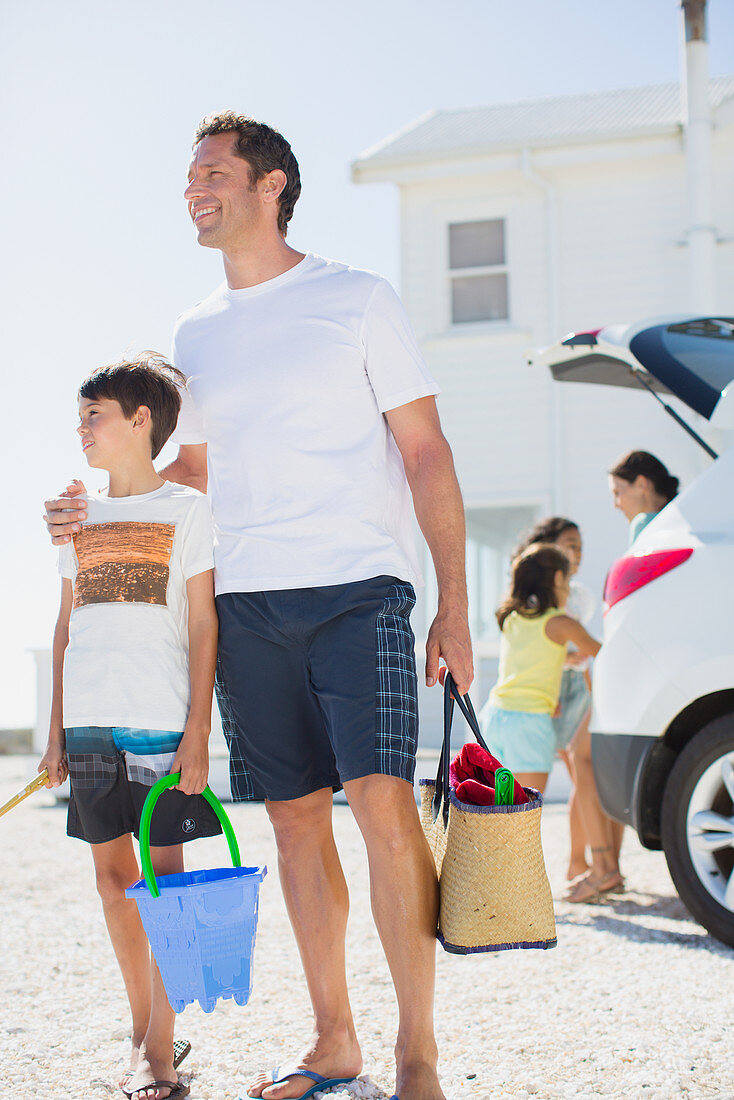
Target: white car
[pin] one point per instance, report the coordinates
(663, 717)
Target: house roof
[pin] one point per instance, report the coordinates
(539, 122)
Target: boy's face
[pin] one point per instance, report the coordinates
(107, 436)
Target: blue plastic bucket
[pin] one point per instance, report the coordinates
(200, 924)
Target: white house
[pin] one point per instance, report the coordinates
(520, 222)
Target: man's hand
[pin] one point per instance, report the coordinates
(192, 760)
(54, 760)
(449, 639)
(61, 517)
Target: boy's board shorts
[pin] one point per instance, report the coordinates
(111, 771)
(317, 686)
(575, 700)
(522, 741)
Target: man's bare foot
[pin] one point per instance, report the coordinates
(330, 1057)
(418, 1081)
(149, 1069)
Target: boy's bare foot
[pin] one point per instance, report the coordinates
(124, 1082)
(330, 1057)
(150, 1069)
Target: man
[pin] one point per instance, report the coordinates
(312, 413)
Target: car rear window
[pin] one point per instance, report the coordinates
(694, 358)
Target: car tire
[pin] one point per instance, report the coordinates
(698, 827)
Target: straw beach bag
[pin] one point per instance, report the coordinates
(493, 887)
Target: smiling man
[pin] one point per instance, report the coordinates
(311, 420)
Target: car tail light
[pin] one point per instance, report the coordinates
(636, 570)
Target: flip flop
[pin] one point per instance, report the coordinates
(282, 1073)
(181, 1050)
(178, 1089)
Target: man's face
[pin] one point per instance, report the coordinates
(223, 204)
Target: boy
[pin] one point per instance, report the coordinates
(134, 654)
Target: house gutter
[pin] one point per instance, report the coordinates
(553, 334)
(701, 233)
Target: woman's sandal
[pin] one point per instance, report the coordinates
(587, 888)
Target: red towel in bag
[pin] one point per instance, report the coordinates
(471, 774)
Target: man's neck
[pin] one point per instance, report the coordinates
(250, 266)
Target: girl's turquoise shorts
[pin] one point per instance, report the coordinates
(524, 742)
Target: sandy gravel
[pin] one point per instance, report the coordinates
(636, 1001)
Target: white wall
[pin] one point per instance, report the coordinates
(620, 223)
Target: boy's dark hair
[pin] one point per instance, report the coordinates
(545, 530)
(642, 463)
(264, 149)
(533, 586)
(148, 380)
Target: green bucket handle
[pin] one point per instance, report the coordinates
(153, 795)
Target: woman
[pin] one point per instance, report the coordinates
(641, 486)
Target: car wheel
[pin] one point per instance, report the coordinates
(698, 827)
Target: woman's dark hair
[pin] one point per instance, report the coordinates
(642, 463)
(545, 530)
(148, 380)
(533, 586)
(264, 149)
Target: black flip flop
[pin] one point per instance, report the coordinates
(181, 1050)
(178, 1089)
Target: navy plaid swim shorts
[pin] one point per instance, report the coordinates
(317, 686)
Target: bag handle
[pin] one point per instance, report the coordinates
(451, 695)
(153, 795)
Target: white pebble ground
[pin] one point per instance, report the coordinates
(636, 1001)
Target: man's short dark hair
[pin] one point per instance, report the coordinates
(148, 380)
(264, 149)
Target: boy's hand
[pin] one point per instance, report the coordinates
(60, 522)
(192, 760)
(54, 760)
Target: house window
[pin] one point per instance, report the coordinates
(477, 271)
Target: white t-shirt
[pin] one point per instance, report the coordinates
(127, 661)
(289, 381)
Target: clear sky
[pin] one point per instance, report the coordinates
(100, 101)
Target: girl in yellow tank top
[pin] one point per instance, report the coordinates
(535, 634)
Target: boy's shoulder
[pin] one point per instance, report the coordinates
(184, 500)
(168, 503)
(184, 492)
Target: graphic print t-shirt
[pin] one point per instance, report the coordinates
(126, 663)
(289, 381)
